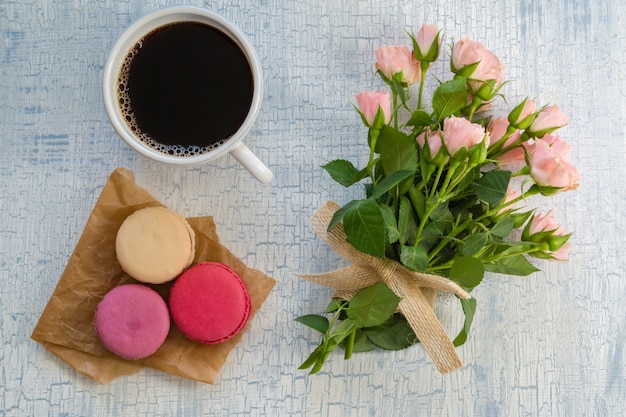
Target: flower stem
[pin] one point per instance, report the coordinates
(476, 102)
(420, 229)
(436, 182)
(421, 89)
(458, 229)
(496, 149)
(394, 96)
(374, 133)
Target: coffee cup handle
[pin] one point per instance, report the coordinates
(252, 163)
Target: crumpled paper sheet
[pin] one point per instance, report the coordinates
(66, 327)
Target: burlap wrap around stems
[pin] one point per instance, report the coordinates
(416, 289)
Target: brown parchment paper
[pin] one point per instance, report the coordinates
(66, 327)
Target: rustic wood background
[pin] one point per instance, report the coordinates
(552, 344)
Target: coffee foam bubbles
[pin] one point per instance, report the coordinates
(125, 106)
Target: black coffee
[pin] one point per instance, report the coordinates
(185, 88)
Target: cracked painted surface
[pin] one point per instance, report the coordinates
(547, 345)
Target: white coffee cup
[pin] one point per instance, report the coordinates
(233, 145)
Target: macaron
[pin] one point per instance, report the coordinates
(209, 303)
(154, 245)
(132, 321)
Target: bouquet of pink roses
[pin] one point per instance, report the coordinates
(439, 207)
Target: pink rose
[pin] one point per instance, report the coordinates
(427, 43)
(467, 52)
(369, 104)
(497, 129)
(392, 60)
(433, 139)
(551, 166)
(546, 223)
(547, 121)
(513, 160)
(459, 132)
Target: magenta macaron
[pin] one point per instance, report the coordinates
(209, 303)
(132, 321)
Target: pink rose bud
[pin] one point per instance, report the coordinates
(432, 138)
(426, 43)
(372, 105)
(391, 60)
(551, 167)
(523, 114)
(464, 54)
(497, 129)
(513, 160)
(475, 61)
(545, 223)
(561, 253)
(548, 120)
(459, 132)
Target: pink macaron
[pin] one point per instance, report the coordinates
(132, 321)
(209, 303)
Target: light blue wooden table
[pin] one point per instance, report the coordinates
(552, 344)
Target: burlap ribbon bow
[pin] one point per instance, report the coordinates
(417, 290)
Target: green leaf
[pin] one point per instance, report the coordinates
(449, 98)
(441, 217)
(469, 308)
(398, 86)
(514, 265)
(468, 178)
(347, 344)
(357, 342)
(373, 305)
(420, 118)
(398, 151)
(364, 173)
(339, 214)
(418, 199)
(414, 257)
(473, 244)
(360, 342)
(391, 224)
(394, 334)
(389, 182)
(430, 237)
(467, 271)
(407, 221)
(427, 166)
(314, 321)
(342, 171)
(369, 187)
(491, 187)
(335, 304)
(313, 358)
(365, 228)
(326, 350)
(503, 227)
(343, 330)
